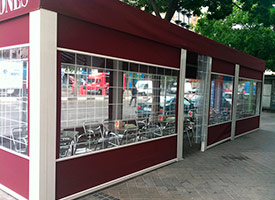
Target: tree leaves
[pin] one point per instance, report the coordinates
(238, 31)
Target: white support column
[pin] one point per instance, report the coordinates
(261, 103)
(205, 118)
(43, 61)
(180, 127)
(234, 102)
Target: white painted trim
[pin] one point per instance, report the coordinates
(111, 57)
(247, 132)
(217, 143)
(116, 181)
(11, 192)
(14, 153)
(222, 74)
(250, 79)
(14, 46)
(261, 103)
(43, 77)
(248, 117)
(219, 123)
(205, 120)
(181, 88)
(234, 101)
(113, 148)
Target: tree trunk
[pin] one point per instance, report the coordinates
(173, 6)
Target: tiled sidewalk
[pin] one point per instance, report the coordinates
(243, 169)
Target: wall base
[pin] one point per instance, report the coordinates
(124, 178)
(12, 193)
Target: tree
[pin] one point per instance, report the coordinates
(243, 30)
(216, 9)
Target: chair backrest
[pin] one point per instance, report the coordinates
(19, 138)
(18, 132)
(108, 126)
(93, 128)
(82, 142)
(65, 146)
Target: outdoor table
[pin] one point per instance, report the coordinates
(126, 129)
(71, 134)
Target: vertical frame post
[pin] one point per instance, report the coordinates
(234, 102)
(205, 117)
(43, 59)
(183, 59)
(261, 103)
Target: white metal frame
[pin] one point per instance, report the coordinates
(229, 121)
(261, 106)
(14, 153)
(250, 79)
(225, 122)
(14, 46)
(222, 74)
(2, 147)
(240, 119)
(43, 61)
(234, 101)
(206, 109)
(183, 61)
(261, 100)
(118, 59)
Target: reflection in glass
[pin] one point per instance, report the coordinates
(220, 99)
(113, 103)
(248, 103)
(14, 99)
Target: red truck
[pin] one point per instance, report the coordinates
(96, 83)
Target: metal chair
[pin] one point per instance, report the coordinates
(66, 147)
(19, 138)
(188, 130)
(92, 137)
(109, 133)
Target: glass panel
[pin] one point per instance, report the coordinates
(220, 99)
(112, 103)
(14, 99)
(249, 94)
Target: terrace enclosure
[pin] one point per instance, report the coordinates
(94, 92)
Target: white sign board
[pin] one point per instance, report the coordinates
(11, 74)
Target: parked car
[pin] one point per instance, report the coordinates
(144, 109)
(144, 87)
(228, 97)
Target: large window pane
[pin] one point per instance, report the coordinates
(14, 99)
(220, 99)
(248, 103)
(108, 103)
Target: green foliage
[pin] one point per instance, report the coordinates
(241, 32)
(259, 10)
(255, 19)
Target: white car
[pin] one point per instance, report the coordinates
(144, 87)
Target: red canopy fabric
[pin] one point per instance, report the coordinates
(122, 17)
(117, 15)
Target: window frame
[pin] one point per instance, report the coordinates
(27, 84)
(260, 98)
(150, 67)
(233, 86)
